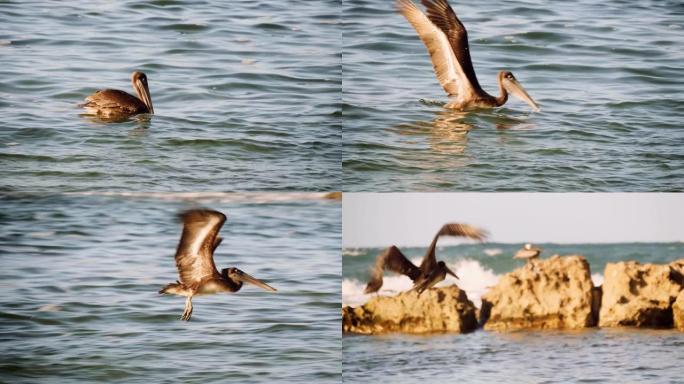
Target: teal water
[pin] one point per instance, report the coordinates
(246, 95)
(589, 356)
(81, 273)
(607, 77)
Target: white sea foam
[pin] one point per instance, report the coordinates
(474, 279)
(220, 197)
(492, 251)
(597, 279)
(352, 252)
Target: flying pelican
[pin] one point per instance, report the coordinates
(112, 103)
(195, 261)
(528, 252)
(430, 271)
(447, 42)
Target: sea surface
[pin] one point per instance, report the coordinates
(247, 95)
(608, 77)
(592, 355)
(80, 275)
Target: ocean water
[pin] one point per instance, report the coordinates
(246, 93)
(81, 273)
(607, 77)
(593, 355)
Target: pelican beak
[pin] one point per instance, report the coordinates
(253, 280)
(517, 90)
(449, 271)
(144, 93)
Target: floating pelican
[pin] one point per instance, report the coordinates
(195, 261)
(112, 103)
(430, 271)
(528, 252)
(447, 42)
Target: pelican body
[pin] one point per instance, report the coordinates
(195, 261)
(447, 42)
(430, 272)
(528, 252)
(113, 103)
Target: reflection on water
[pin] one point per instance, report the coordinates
(446, 132)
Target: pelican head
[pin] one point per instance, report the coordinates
(528, 246)
(239, 277)
(442, 265)
(509, 83)
(139, 81)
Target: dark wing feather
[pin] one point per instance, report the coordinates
(195, 253)
(114, 101)
(443, 16)
(393, 260)
(450, 229)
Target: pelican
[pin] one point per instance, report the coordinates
(430, 271)
(113, 103)
(195, 261)
(447, 42)
(528, 252)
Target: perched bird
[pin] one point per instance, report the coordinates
(113, 104)
(446, 40)
(195, 261)
(430, 272)
(528, 252)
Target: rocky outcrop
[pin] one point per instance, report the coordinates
(640, 295)
(435, 310)
(678, 312)
(556, 293)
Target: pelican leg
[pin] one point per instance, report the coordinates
(188, 309)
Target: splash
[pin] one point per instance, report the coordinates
(474, 279)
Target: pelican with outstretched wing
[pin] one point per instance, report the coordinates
(430, 271)
(446, 40)
(195, 261)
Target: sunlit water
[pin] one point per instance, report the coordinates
(79, 286)
(246, 94)
(594, 355)
(608, 77)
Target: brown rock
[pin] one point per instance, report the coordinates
(556, 293)
(640, 295)
(678, 311)
(436, 310)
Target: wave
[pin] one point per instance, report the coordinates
(475, 279)
(218, 197)
(352, 252)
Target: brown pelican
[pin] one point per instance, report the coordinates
(430, 271)
(528, 252)
(112, 103)
(195, 261)
(447, 42)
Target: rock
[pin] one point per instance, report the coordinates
(640, 295)
(556, 293)
(678, 312)
(444, 309)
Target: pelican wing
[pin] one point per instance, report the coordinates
(446, 64)
(195, 253)
(393, 260)
(450, 229)
(440, 13)
(114, 99)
